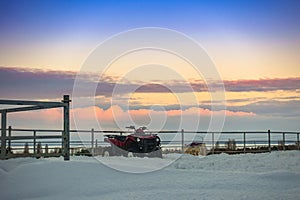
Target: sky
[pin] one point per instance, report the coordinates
(254, 46)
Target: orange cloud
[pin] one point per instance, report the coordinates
(53, 117)
(47, 115)
(116, 112)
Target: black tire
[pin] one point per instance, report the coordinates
(107, 152)
(133, 148)
(130, 154)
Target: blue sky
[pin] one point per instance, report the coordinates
(32, 32)
(37, 20)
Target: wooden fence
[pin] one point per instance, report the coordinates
(21, 106)
(91, 140)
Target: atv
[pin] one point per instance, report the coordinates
(138, 144)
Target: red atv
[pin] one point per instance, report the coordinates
(137, 144)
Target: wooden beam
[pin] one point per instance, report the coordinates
(32, 137)
(29, 108)
(34, 103)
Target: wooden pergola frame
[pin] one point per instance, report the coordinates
(37, 105)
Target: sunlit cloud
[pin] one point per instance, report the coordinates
(108, 115)
(35, 83)
(269, 84)
(272, 97)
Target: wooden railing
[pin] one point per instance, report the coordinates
(52, 141)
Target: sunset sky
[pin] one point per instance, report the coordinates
(255, 46)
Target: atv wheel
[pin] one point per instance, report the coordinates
(106, 152)
(130, 154)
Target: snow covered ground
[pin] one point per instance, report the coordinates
(273, 175)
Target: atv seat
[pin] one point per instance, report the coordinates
(120, 137)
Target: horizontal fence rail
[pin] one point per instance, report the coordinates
(37, 142)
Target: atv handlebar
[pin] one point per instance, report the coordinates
(130, 127)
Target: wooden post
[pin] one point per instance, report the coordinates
(298, 141)
(182, 140)
(213, 142)
(92, 141)
(9, 140)
(283, 141)
(3, 134)
(244, 142)
(269, 140)
(46, 149)
(26, 148)
(66, 133)
(62, 144)
(34, 142)
(39, 150)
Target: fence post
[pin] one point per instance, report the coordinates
(34, 142)
(66, 134)
(3, 134)
(283, 141)
(46, 149)
(213, 142)
(9, 140)
(244, 142)
(298, 141)
(269, 140)
(39, 150)
(182, 141)
(92, 141)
